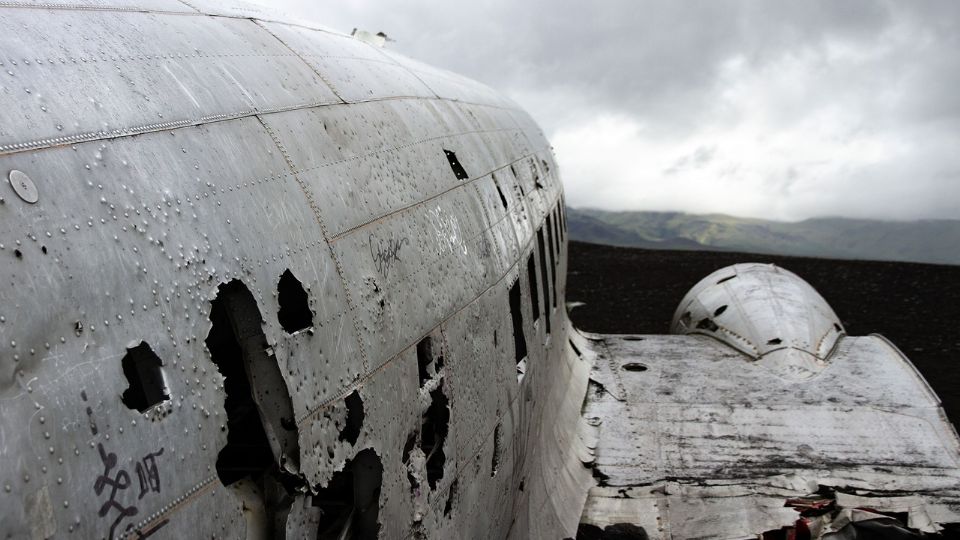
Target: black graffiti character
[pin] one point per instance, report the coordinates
(117, 483)
(148, 474)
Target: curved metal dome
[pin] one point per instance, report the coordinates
(767, 313)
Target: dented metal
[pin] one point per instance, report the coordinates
(694, 436)
(767, 313)
(270, 280)
(188, 152)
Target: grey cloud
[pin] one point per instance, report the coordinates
(882, 71)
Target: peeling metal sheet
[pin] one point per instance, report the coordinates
(705, 443)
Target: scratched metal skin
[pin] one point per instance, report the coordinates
(766, 312)
(177, 146)
(696, 436)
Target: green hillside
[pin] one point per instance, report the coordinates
(930, 241)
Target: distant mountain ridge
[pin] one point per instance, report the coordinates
(928, 241)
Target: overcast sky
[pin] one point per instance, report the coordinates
(775, 109)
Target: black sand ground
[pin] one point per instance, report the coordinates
(917, 306)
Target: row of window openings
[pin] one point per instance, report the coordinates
(549, 283)
(461, 174)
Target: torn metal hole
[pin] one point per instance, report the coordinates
(144, 372)
(17, 254)
(350, 503)
(405, 459)
(634, 366)
(519, 341)
(424, 359)
(707, 324)
(434, 433)
(294, 314)
(837, 327)
(774, 341)
(351, 429)
(458, 170)
(261, 427)
(448, 507)
(719, 311)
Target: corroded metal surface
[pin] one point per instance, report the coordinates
(765, 312)
(696, 440)
(189, 154)
(269, 280)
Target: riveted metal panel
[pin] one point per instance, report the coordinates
(355, 70)
(67, 80)
(444, 242)
(171, 223)
(752, 439)
(233, 8)
(133, 235)
(448, 85)
(169, 6)
(388, 178)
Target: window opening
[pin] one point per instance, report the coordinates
(458, 170)
(554, 237)
(544, 275)
(534, 289)
(553, 275)
(556, 234)
(519, 341)
(503, 199)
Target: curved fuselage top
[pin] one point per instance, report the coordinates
(174, 147)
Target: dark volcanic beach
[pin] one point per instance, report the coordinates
(917, 306)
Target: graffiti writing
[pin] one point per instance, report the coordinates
(115, 481)
(386, 252)
(148, 474)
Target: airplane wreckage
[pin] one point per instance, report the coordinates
(264, 280)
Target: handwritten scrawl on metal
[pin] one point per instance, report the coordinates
(386, 252)
(116, 483)
(148, 474)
